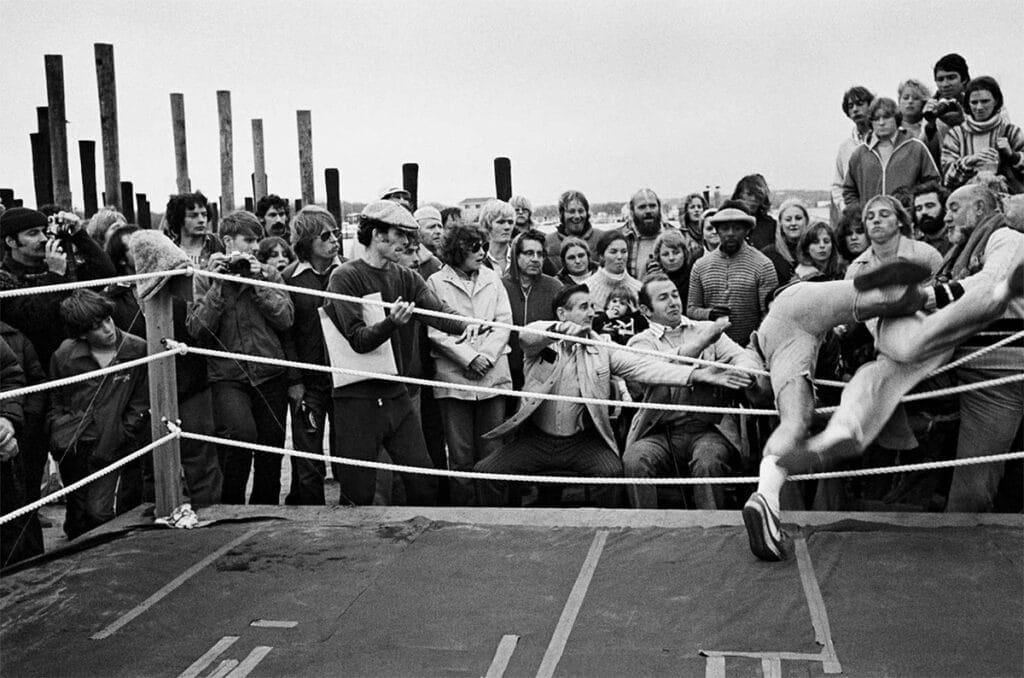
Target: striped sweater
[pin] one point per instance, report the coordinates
(969, 138)
(741, 282)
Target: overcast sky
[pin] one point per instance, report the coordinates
(605, 97)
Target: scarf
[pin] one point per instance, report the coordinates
(964, 258)
(974, 127)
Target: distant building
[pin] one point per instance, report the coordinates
(471, 209)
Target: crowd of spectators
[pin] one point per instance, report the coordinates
(697, 288)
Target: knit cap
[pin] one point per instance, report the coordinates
(18, 219)
(153, 251)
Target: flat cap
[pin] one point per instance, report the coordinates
(390, 213)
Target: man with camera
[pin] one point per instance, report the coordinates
(41, 250)
(250, 400)
(945, 110)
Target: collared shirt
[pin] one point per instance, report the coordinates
(558, 417)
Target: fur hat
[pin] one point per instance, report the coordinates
(390, 213)
(18, 219)
(153, 251)
(427, 215)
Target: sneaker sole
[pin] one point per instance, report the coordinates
(757, 534)
(896, 273)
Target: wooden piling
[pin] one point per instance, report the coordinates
(503, 179)
(411, 181)
(305, 125)
(249, 205)
(45, 171)
(41, 178)
(127, 204)
(87, 159)
(58, 130)
(227, 152)
(180, 145)
(163, 401)
(333, 181)
(259, 183)
(298, 206)
(107, 85)
(213, 216)
(145, 218)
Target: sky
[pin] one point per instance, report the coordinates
(600, 96)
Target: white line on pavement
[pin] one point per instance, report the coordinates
(572, 607)
(200, 664)
(170, 587)
(250, 662)
(816, 604)
(502, 656)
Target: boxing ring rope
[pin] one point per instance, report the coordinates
(175, 432)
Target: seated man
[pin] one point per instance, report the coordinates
(660, 441)
(561, 436)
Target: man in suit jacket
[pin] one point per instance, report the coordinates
(659, 441)
(560, 436)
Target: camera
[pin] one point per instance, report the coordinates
(942, 108)
(60, 230)
(239, 265)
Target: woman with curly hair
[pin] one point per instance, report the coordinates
(475, 291)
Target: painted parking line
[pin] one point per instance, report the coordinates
(572, 607)
(249, 663)
(502, 656)
(273, 624)
(199, 665)
(225, 667)
(816, 604)
(170, 587)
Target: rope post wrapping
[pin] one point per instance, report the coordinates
(163, 399)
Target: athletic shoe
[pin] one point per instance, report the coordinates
(763, 529)
(895, 274)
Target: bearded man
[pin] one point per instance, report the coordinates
(642, 230)
(930, 216)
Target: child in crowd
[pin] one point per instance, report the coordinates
(274, 251)
(621, 319)
(96, 422)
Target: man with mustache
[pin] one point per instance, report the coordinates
(34, 256)
(573, 220)
(273, 213)
(930, 216)
(642, 230)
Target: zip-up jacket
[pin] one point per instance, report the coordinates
(528, 307)
(867, 176)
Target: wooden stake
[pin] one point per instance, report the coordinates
(411, 181)
(87, 159)
(145, 219)
(42, 179)
(107, 84)
(163, 401)
(45, 169)
(305, 125)
(58, 130)
(180, 146)
(333, 182)
(503, 179)
(128, 205)
(259, 161)
(227, 152)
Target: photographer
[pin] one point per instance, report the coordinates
(250, 399)
(45, 251)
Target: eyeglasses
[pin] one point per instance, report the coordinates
(474, 246)
(327, 235)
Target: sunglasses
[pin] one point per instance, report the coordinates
(327, 235)
(474, 246)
